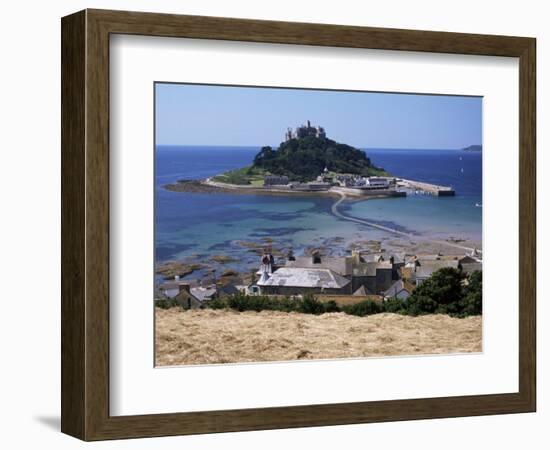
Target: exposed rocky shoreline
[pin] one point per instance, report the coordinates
(238, 259)
(203, 187)
(228, 268)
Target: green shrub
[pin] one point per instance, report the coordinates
(242, 302)
(420, 304)
(395, 305)
(444, 293)
(331, 306)
(166, 303)
(310, 305)
(285, 304)
(364, 308)
(216, 303)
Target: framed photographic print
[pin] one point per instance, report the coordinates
(270, 224)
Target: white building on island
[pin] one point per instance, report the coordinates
(377, 183)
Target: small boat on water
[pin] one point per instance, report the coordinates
(479, 205)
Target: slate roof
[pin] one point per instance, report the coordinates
(303, 277)
(468, 268)
(340, 265)
(398, 257)
(184, 296)
(203, 293)
(429, 257)
(368, 269)
(362, 292)
(427, 267)
(467, 260)
(372, 257)
(397, 287)
(170, 285)
(228, 289)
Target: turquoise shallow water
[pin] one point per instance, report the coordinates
(425, 215)
(191, 225)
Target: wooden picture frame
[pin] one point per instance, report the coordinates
(85, 224)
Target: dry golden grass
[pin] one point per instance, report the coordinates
(225, 336)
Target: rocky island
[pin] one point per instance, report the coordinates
(306, 162)
(307, 152)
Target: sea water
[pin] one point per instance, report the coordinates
(199, 225)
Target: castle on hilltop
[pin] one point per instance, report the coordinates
(304, 131)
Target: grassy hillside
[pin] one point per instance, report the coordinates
(225, 336)
(248, 175)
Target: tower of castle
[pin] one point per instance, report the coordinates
(305, 130)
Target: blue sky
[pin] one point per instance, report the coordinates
(242, 116)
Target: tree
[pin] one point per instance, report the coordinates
(421, 304)
(305, 158)
(446, 293)
(266, 153)
(471, 302)
(443, 288)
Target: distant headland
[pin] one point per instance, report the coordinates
(473, 148)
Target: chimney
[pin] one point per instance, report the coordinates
(290, 256)
(264, 277)
(316, 257)
(185, 287)
(266, 263)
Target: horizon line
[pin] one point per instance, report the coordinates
(359, 147)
